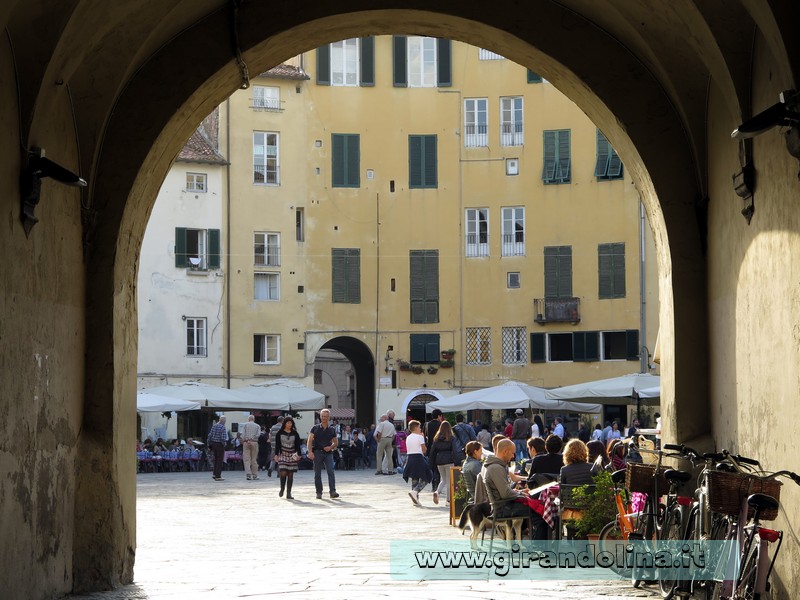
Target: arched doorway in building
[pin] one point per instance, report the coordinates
(416, 403)
(344, 370)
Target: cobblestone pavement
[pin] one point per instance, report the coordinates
(204, 540)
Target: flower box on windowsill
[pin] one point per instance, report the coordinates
(446, 364)
(448, 354)
(417, 370)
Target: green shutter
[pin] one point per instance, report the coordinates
(565, 272)
(354, 275)
(424, 286)
(601, 167)
(213, 249)
(257, 348)
(611, 270)
(367, 78)
(346, 275)
(399, 61)
(619, 270)
(632, 344)
(415, 170)
(564, 156)
(534, 77)
(585, 346)
(432, 348)
(444, 68)
(551, 272)
(430, 179)
(424, 348)
(537, 348)
(592, 345)
(614, 165)
(549, 166)
(337, 160)
(558, 272)
(338, 270)
(417, 347)
(432, 286)
(324, 65)
(354, 160)
(181, 261)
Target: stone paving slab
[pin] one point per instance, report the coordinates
(204, 540)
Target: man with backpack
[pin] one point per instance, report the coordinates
(462, 435)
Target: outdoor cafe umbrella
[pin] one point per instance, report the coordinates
(147, 402)
(205, 394)
(511, 394)
(626, 386)
(281, 394)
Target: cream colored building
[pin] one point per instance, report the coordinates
(395, 197)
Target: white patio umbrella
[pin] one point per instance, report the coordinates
(625, 386)
(282, 394)
(205, 394)
(146, 402)
(511, 394)
(653, 392)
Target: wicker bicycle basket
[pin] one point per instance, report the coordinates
(727, 490)
(639, 478)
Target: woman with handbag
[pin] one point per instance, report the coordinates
(287, 451)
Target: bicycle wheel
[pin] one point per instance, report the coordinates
(646, 530)
(611, 535)
(719, 531)
(746, 587)
(671, 530)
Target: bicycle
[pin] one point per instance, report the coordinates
(676, 521)
(620, 528)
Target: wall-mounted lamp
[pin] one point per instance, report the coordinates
(645, 356)
(30, 184)
(387, 358)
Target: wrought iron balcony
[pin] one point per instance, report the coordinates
(557, 310)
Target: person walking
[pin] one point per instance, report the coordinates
(464, 434)
(287, 455)
(416, 469)
(217, 438)
(250, 433)
(520, 431)
(441, 457)
(264, 448)
(273, 431)
(321, 444)
(384, 434)
(431, 429)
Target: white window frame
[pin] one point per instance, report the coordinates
(515, 345)
(511, 278)
(267, 347)
(272, 287)
(198, 262)
(266, 97)
(484, 54)
(512, 121)
(197, 182)
(476, 122)
(481, 339)
(602, 343)
(266, 158)
(512, 245)
(266, 249)
(421, 56)
(196, 337)
(476, 240)
(345, 63)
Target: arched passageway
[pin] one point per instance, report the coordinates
(113, 92)
(363, 363)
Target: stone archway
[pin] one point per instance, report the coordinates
(112, 93)
(360, 357)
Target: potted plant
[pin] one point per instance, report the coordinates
(403, 365)
(432, 370)
(597, 505)
(416, 369)
(448, 354)
(446, 364)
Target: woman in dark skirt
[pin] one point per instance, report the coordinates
(416, 469)
(287, 453)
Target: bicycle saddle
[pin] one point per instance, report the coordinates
(675, 475)
(762, 502)
(618, 476)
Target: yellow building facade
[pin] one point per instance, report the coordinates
(412, 196)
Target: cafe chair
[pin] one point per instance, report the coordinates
(512, 526)
(568, 509)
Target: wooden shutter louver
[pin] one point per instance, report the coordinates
(213, 249)
(399, 61)
(181, 260)
(324, 65)
(367, 61)
(444, 76)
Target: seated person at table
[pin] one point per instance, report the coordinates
(616, 453)
(598, 457)
(576, 470)
(549, 463)
(356, 449)
(535, 448)
(496, 478)
(472, 466)
(159, 447)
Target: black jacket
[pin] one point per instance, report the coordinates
(297, 441)
(441, 453)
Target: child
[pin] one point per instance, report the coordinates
(416, 468)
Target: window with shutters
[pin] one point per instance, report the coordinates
(512, 132)
(558, 272)
(477, 236)
(479, 345)
(534, 77)
(196, 182)
(197, 249)
(424, 348)
(344, 62)
(476, 132)
(609, 165)
(515, 345)
(513, 231)
(196, 337)
(266, 165)
(422, 161)
(266, 349)
(348, 62)
(266, 97)
(613, 345)
(559, 347)
(267, 286)
(266, 249)
(585, 346)
(421, 62)
(556, 156)
(611, 270)
(424, 286)
(345, 160)
(346, 275)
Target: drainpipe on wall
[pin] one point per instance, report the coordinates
(228, 243)
(644, 359)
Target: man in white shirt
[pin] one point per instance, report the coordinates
(384, 434)
(250, 432)
(558, 428)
